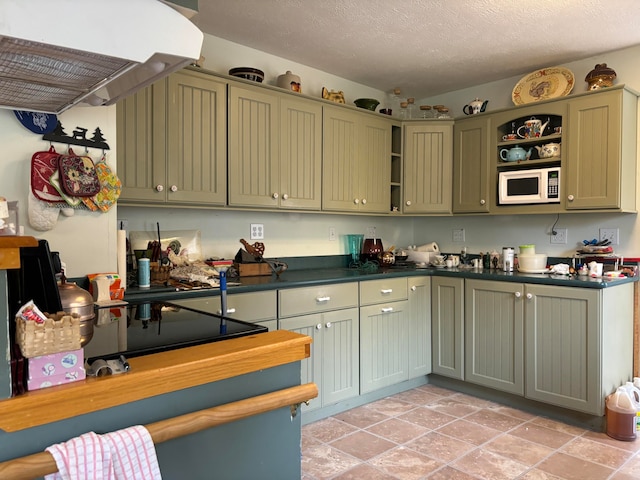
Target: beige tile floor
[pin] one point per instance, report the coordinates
(430, 432)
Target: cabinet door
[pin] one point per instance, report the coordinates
(419, 326)
(254, 172)
(593, 166)
(334, 363)
(311, 367)
(141, 147)
(384, 356)
(563, 347)
(471, 166)
(374, 170)
(447, 316)
(494, 338)
(196, 139)
(300, 153)
(427, 168)
(340, 182)
(340, 360)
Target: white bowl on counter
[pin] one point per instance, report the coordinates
(532, 263)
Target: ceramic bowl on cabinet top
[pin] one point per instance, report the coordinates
(367, 103)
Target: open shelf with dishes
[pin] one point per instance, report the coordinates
(529, 140)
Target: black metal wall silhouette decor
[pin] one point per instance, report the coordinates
(78, 137)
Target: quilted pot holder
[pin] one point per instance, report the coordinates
(110, 187)
(43, 165)
(78, 175)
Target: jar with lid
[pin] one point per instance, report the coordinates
(425, 111)
(443, 112)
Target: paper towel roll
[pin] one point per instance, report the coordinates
(121, 246)
(428, 247)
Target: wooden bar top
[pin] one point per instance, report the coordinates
(155, 374)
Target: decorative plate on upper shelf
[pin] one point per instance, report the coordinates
(543, 85)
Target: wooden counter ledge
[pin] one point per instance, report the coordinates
(153, 375)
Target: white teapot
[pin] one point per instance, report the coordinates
(477, 106)
(549, 150)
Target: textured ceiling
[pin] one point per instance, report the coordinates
(425, 47)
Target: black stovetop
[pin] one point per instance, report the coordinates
(142, 328)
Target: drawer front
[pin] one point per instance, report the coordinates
(248, 307)
(382, 291)
(302, 301)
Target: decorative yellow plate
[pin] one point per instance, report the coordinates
(543, 85)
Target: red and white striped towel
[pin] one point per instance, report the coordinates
(127, 454)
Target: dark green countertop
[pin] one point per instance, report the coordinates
(326, 270)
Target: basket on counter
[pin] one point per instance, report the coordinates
(160, 274)
(58, 333)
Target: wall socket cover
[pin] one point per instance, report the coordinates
(257, 231)
(560, 237)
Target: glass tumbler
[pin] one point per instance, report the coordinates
(354, 243)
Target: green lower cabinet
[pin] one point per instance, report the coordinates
(579, 344)
(384, 355)
(334, 364)
(494, 338)
(447, 326)
(419, 326)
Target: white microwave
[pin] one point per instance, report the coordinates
(537, 185)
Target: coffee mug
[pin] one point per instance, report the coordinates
(557, 130)
(449, 263)
(455, 260)
(438, 259)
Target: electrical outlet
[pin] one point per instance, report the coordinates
(458, 235)
(611, 234)
(332, 234)
(257, 231)
(371, 232)
(560, 237)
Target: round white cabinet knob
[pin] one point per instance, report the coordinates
(570, 198)
(159, 188)
(174, 188)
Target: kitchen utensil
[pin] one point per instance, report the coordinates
(78, 175)
(532, 263)
(354, 243)
(289, 81)
(543, 85)
(508, 259)
(248, 73)
(370, 249)
(110, 188)
(474, 107)
(367, 103)
(43, 165)
(548, 150)
(77, 300)
(532, 128)
(601, 76)
(515, 154)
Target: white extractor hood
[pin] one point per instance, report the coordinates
(57, 53)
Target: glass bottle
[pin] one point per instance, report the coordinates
(403, 110)
(411, 107)
(426, 111)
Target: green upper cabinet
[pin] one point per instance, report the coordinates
(356, 169)
(172, 141)
(471, 177)
(601, 163)
(275, 144)
(428, 161)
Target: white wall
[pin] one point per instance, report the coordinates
(86, 240)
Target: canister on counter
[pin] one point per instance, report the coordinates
(508, 255)
(144, 273)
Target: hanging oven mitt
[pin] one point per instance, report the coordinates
(43, 165)
(78, 177)
(110, 187)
